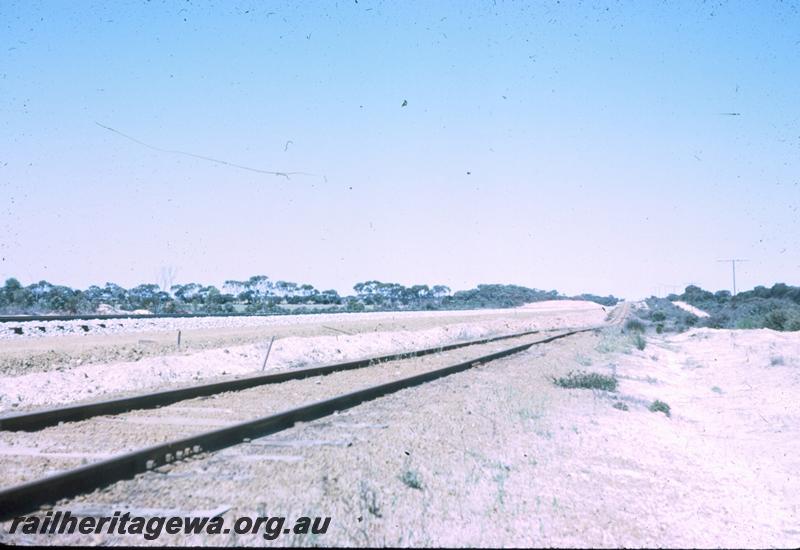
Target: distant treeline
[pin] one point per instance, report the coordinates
(777, 308)
(259, 294)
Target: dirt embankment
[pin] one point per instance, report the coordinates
(135, 340)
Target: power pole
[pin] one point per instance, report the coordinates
(733, 268)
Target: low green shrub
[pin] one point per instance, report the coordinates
(776, 319)
(782, 319)
(412, 479)
(634, 325)
(658, 316)
(587, 380)
(659, 406)
(747, 323)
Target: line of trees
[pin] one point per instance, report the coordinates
(776, 308)
(259, 294)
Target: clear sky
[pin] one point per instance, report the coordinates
(579, 146)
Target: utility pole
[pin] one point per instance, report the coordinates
(733, 268)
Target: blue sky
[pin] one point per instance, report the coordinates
(570, 145)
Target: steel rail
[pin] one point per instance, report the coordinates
(27, 497)
(36, 420)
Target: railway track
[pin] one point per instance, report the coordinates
(102, 443)
(39, 419)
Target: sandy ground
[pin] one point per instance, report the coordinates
(501, 456)
(691, 309)
(300, 344)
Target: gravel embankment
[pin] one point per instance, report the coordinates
(41, 329)
(137, 340)
(37, 388)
